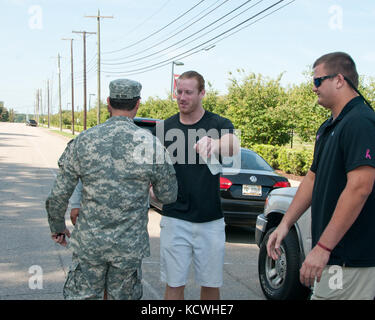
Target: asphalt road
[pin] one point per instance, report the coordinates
(33, 267)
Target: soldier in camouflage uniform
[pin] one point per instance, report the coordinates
(114, 162)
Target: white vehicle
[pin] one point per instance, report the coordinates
(280, 279)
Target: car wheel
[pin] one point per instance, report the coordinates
(280, 279)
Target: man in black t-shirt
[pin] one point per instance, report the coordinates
(340, 189)
(192, 228)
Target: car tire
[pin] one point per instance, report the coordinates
(279, 279)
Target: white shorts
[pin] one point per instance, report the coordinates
(183, 242)
(344, 283)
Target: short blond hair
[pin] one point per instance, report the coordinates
(194, 75)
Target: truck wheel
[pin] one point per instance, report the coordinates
(280, 279)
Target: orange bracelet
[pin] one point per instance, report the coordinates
(324, 247)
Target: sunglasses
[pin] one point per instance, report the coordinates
(318, 81)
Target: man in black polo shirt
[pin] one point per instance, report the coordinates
(340, 189)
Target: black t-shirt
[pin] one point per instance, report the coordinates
(341, 146)
(198, 197)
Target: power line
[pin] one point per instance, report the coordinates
(198, 18)
(92, 60)
(187, 53)
(197, 32)
(250, 24)
(90, 70)
(194, 50)
(149, 18)
(156, 32)
(90, 66)
(164, 40)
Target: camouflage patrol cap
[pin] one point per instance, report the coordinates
(124, 89)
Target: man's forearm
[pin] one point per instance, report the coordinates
(57, 202)
(56, 214)
(229, 145)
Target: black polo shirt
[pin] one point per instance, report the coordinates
(198, 198)
(343, 145)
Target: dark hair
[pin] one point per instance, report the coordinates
(195, 75)
(339, 62)
(124, 104)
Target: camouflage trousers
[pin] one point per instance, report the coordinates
(89, 279)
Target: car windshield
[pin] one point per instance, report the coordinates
(249, 161)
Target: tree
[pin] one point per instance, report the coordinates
(4, 114)
(11, 115)
(157, 108)
(367, 88)
(256, 106)
(213, 102)
(306, 115)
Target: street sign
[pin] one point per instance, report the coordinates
(175, 77)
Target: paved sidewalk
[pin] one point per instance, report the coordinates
(294, 183)
(76, 133)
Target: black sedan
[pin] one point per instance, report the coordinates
(145, 123)
(244, 191)
(31, 123)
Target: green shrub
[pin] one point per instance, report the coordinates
(268, 153)
(308, 157)
(289, 160)
(292, 161)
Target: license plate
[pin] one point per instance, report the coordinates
(251, 190)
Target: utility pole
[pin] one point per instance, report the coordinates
(36, 103)
(98, 17)
(84, 77)
(71, 70)
(59, 72)
(48, 102)
(41, 104)
(37, 106)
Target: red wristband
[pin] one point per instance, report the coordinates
(324, 247)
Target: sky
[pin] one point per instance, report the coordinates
(143, 38)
